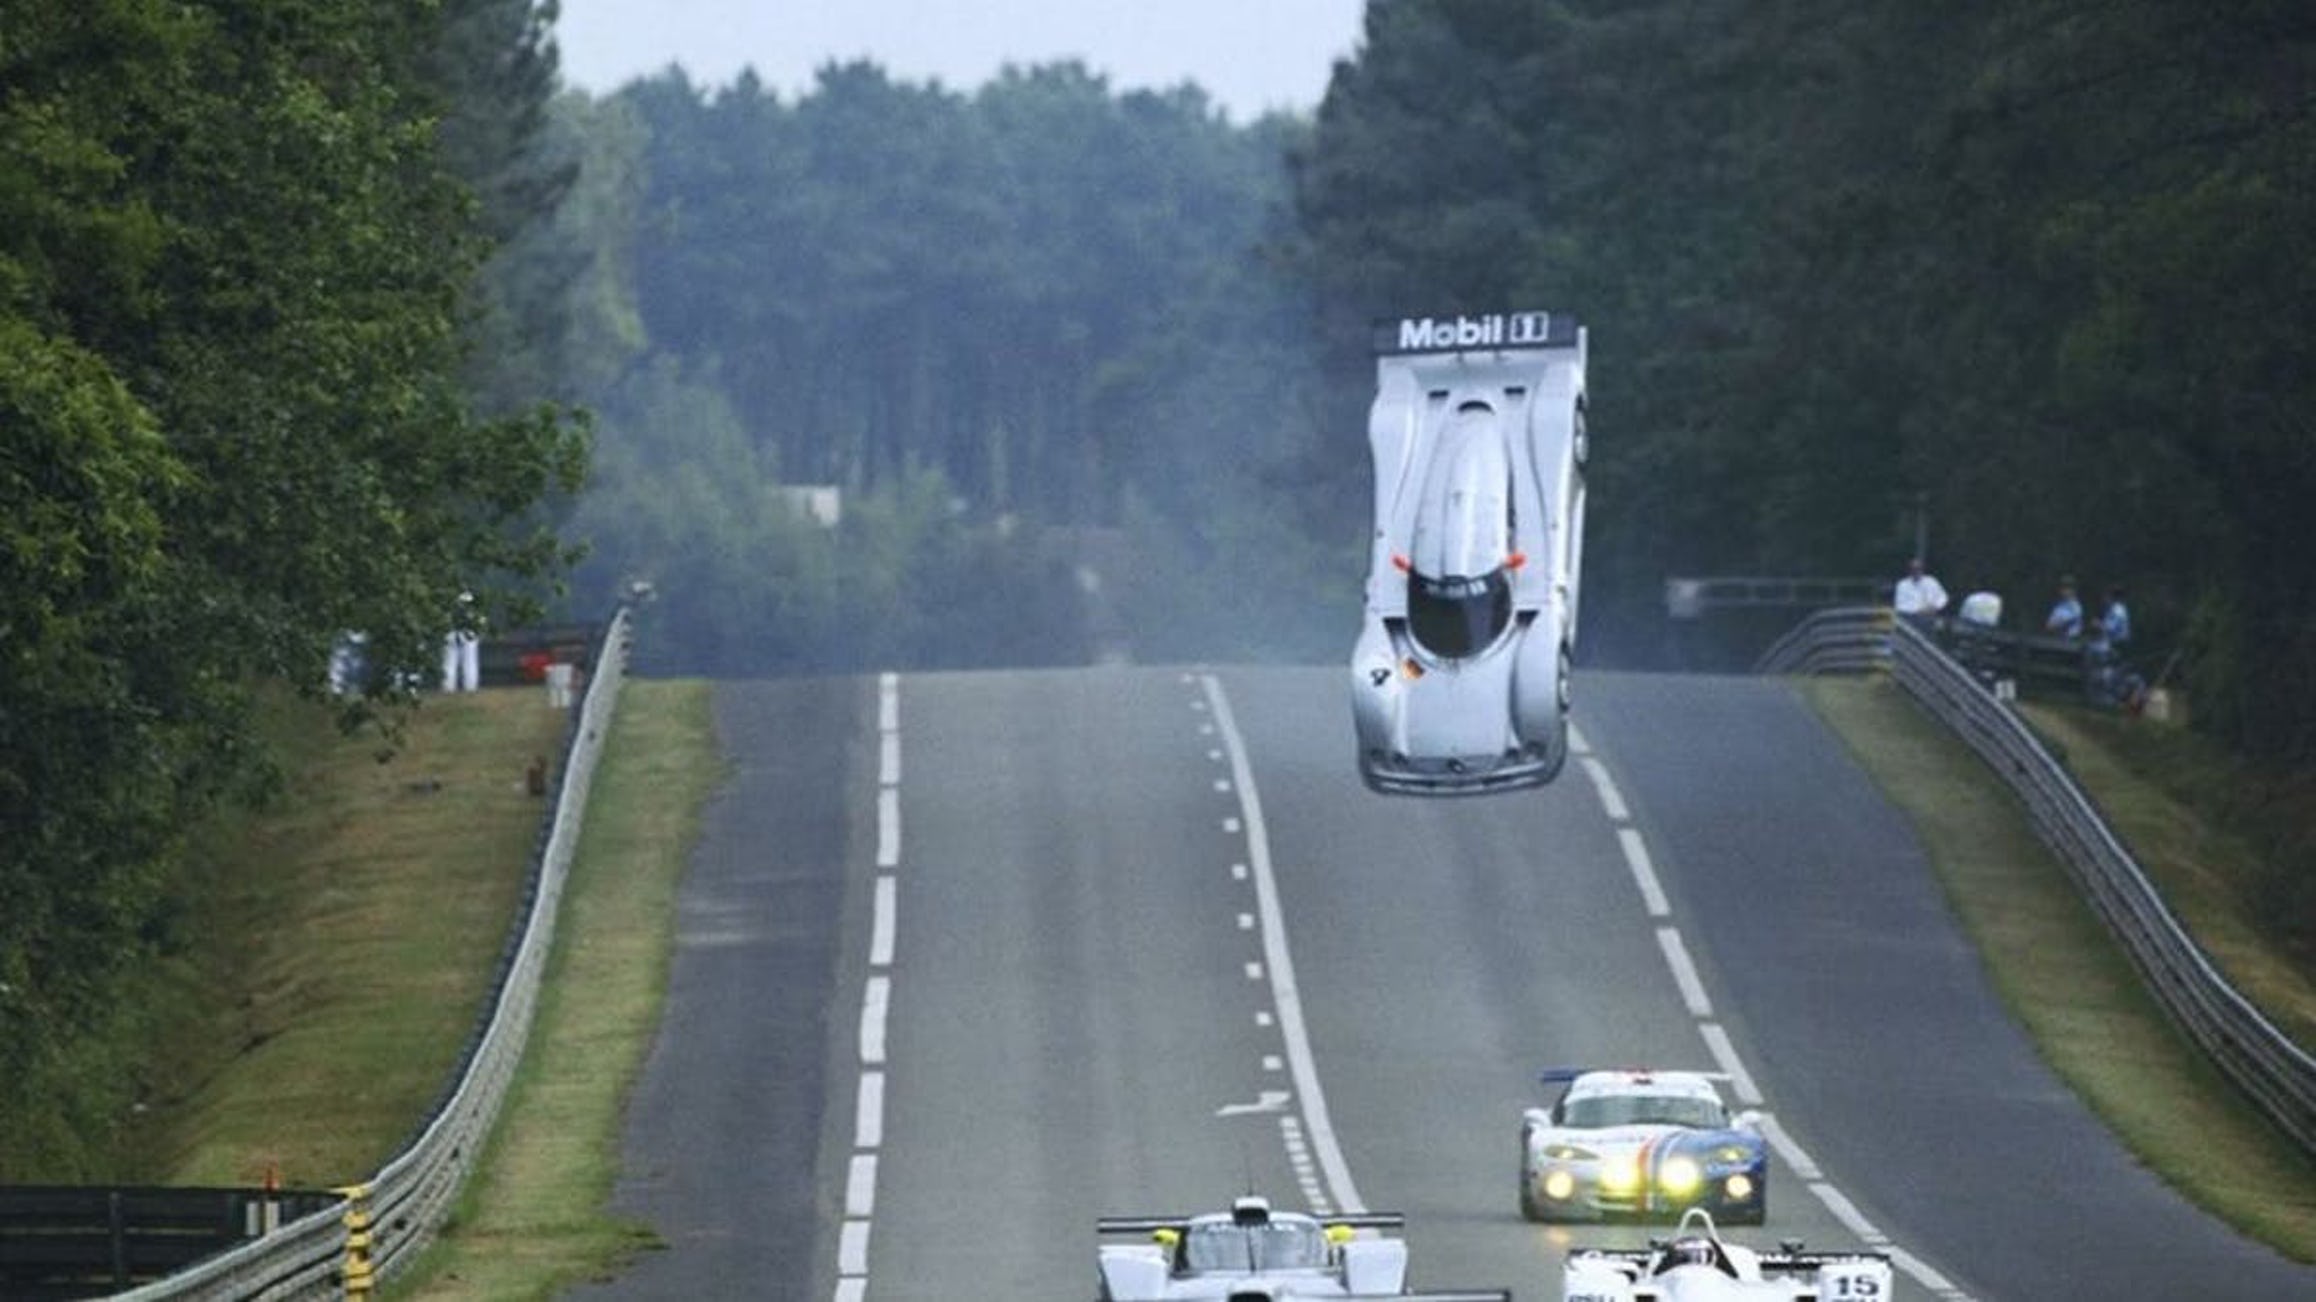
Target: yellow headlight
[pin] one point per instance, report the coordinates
(1738, 1187)
(1559, 1185)
(1620, 1174)
(1680, 1177)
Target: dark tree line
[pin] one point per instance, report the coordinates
(2041, 271)
(238, 257)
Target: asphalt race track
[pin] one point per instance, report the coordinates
(968, 960)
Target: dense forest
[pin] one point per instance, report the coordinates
(315, 314)
(240, 319)
(1037, 337)
(2038, 275)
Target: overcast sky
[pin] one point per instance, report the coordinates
(1250, 55)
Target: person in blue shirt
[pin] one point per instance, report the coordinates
(2112, 682)
(2066, 617)
(2115, 621)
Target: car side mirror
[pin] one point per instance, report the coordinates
(1746, 1120)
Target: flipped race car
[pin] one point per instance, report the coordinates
(1252, 1254)
(1640, 1144)
(1696, 1265)
(1459, 680)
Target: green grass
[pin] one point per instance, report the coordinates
(2209, 831)
(535, 1218)
(346, 939)
(335, 1020)
(2062, 975)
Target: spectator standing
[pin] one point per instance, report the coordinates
(2111, 681)
(1919, 596)
(462, 654)
(2066, 617)
(2115, 622)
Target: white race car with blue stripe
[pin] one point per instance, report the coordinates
(1640, 1144)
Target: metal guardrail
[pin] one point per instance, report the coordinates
(383, 1223)
(2275, 1074)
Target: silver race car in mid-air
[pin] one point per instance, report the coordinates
(1697, 1265)
(1253, 1254)
(1459, 680)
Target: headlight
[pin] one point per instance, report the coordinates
(1737, 1188)
(1620, 1174)
(1680, 1177)
(1559, 1185)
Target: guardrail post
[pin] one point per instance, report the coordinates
(359, 1275)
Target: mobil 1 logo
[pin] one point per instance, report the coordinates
(1447, 334)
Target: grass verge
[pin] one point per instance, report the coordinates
(2063, 976)
(535, 1217)
(313, 1023)
(2179, 802)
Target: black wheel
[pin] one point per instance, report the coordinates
(1530, 1209)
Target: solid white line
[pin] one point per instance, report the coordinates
(1724, 1052)
(860, 1186)
(1684, 972)
(868, 1126)
(1788, 1151)
(1578, 743)
(889, 827)
(889, 760)
(1610, 799)
(854, 1289)
(888, 702)
(852, 1248)
(1285, 997)
(881, 924)
(873, 1002)
(1644, 873)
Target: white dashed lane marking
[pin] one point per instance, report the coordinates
(1644, 873)
(868, 1131)
(1716, 1037)
(1684, 972)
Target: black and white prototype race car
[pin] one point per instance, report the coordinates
(1698, 1265)
(1459, 680)
(1635, 1144)
(1251, 1253)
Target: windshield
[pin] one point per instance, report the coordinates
(1455, 617)
(1276, 1246)
(1601, 1110)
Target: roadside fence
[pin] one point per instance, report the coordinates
(370, 1230)
(2275, 1074)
